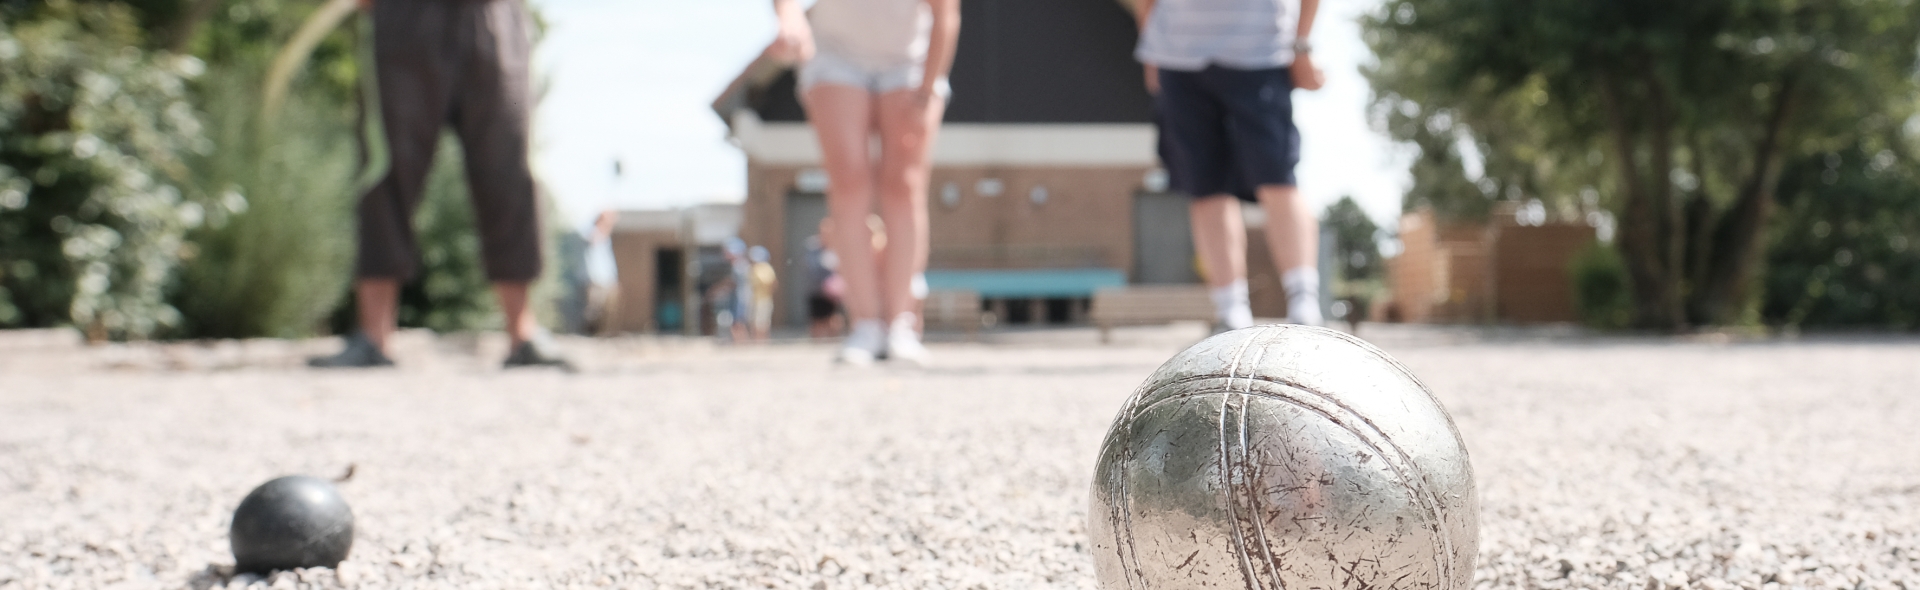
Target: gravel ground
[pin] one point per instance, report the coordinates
(1642, 464)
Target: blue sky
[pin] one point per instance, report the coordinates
(632, 79)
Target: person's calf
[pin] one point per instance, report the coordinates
(377, 301)
(521, 324)
(1293, 233)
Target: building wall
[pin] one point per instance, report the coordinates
(634, 254)
(1086, 219)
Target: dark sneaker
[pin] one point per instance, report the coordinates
(538, 352)
(359, 354)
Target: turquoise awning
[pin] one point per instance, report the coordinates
(1036, 283)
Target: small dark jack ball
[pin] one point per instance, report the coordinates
(291, 522)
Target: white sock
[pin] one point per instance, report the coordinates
(1231, 305)
(1303, 295)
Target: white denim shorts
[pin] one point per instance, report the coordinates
(829, 68)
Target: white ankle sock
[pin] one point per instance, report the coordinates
(1303, 295)
(1231, 305)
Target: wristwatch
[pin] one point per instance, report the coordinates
(1302, 46)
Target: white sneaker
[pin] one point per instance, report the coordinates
(903, 340)
(1237, 317)
(863, 344)
(1304, 310)
(1303, 295)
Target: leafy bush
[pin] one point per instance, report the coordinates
(94, 196)
(1846, 246)
(275, 266)
(1601, 292)
(120, 213)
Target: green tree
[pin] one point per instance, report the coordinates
(1358, 267)
(1356, 241)
(1677, 115)
(1847, 250)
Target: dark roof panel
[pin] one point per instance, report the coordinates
(1047, 61)
(1027, 61)
(778, 101)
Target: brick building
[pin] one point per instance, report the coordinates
(1045, 173)
(666, 259)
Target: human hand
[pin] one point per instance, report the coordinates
(1152, 74)
(794, 42)
(925, 95)
(1306, 76)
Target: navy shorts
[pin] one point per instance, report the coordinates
(1227, 131)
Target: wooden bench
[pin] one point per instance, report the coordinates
(954, 308)
(1149, 304)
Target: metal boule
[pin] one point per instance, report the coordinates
(291, 522)
(1283, 457)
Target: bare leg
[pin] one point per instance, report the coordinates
(1219, 238)
(908, 128)
(378, 301)
(1293, 234)
(842, 118)
(521, 325)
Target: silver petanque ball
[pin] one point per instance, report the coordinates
(1283, 457)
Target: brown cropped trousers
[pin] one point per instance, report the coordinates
(462, 63)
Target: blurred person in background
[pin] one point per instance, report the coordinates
(590, 277)
(603, 274)
(867, 68)
(462, 63)
(719, 302)
(734, 316)
(763, 282)
(824, 286)
(1222, 73)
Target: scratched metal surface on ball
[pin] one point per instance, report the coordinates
(1283, 457)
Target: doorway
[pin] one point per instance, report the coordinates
(805, 210)
(1162, 239)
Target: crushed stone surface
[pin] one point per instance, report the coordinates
(1640, 464)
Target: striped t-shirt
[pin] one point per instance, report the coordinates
(1244, 34)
